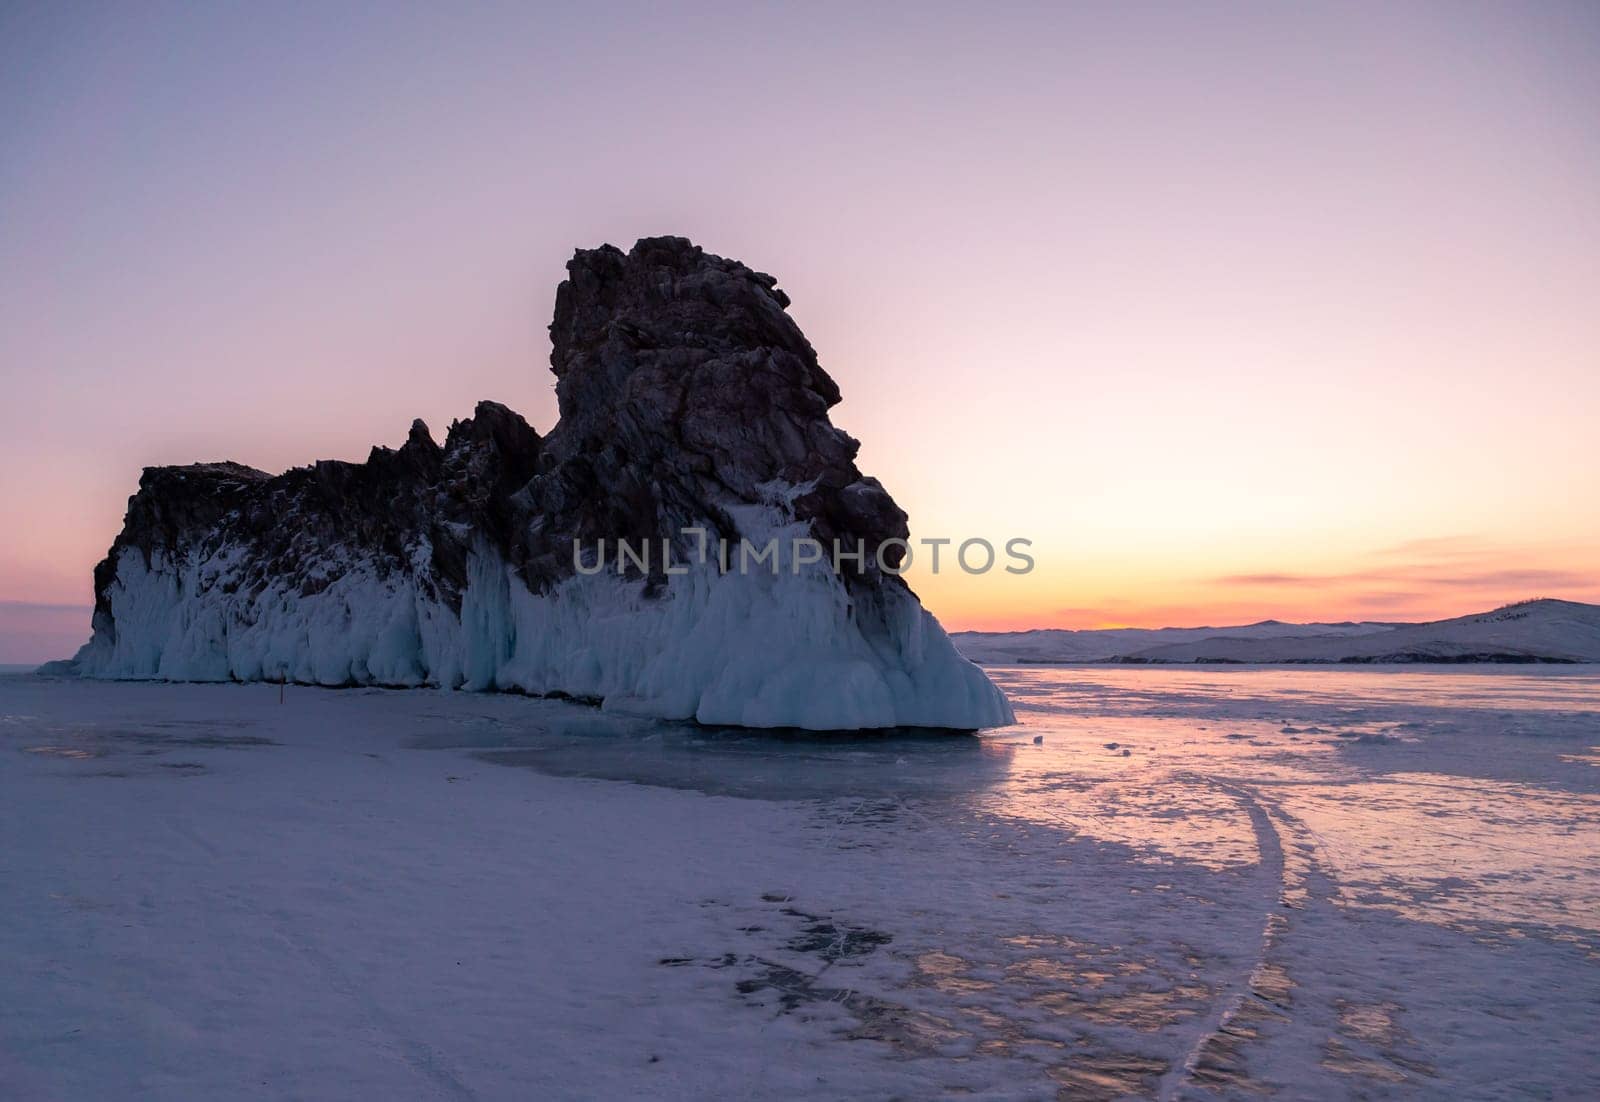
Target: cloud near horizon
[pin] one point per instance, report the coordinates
(1423, 579)
(1429, 578)
(1563, 579)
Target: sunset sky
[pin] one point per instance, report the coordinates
(1236, 310)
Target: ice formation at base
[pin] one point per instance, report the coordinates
(689, 399)
(744, 650)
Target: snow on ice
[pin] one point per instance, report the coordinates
(1200, 884)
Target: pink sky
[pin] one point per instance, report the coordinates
(1236, 310)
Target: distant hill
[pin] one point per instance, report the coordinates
(1532, 631)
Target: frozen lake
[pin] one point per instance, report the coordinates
(1163, 882)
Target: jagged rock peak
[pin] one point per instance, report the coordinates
(674, 361)
(667, 291)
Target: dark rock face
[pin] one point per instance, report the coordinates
(684, 387)
(687, 395)
(297, 525)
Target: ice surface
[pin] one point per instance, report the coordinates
(1200, 883)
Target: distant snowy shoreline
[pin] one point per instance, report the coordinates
(1398, 661)
(1531, 632)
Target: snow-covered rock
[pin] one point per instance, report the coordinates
(1067, 645)
(1530, 631)
(690, 403)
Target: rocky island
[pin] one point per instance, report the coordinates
(690, 402)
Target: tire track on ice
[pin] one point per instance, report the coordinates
(1214, 1060)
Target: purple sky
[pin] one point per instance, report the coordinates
(1235, 309)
